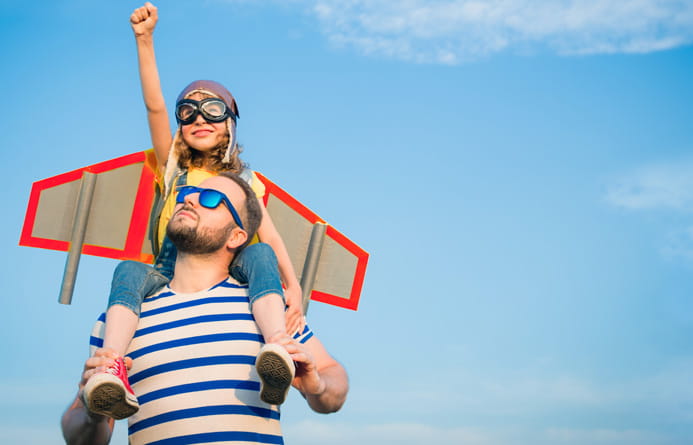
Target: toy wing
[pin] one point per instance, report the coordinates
(103, 210)
(117, 217)
(330, 266)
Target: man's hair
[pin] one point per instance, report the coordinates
(251, 213)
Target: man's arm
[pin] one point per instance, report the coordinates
(79, 425)
(319, 377)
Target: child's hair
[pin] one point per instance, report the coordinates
(192, 158)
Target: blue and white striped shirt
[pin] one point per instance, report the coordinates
(194, 370)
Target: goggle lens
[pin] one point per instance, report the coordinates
(213, 108)
(185, 111)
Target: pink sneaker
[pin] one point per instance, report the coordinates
(276, 371)
(109, 393)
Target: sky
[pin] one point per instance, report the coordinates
(519, 171)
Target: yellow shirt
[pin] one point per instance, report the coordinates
(195, 177)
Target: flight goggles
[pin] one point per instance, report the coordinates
(208, 198)
(212, 109)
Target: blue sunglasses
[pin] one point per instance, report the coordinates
(208, 198)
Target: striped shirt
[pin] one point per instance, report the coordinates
(194, 370)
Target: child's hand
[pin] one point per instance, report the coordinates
(143, 19)
(294, 312)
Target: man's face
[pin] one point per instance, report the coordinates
(196, 229)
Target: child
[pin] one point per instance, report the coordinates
(203, 145)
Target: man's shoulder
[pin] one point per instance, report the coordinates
(226, 285)
(97, 334)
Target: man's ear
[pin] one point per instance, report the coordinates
(236, 239)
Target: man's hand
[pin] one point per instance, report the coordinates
(295, 321)
(79, 425)
(320, 378)
(307, 379)
(102, 359)
(143, 19)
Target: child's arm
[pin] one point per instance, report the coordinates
(267, 233)
(143, 21)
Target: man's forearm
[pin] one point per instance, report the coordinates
(79, 428)
(335, 392)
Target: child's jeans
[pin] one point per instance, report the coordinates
(257, 265)
(133, 281)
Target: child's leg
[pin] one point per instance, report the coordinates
(109, 392)
(121, 323)
(268, 312)
(132, 281)
(257, 266)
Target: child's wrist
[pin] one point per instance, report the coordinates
(293, 285)
(145, 37)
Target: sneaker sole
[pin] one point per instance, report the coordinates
(275, 374)
(104, 394)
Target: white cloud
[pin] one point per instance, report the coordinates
(660, 187)
(314, 433)
(665, 186)
(451, 31)
(528, 395)
(518, 408)
(318, 433)
(562, 436)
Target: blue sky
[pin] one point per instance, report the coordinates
(520, 172)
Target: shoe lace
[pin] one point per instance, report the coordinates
(115, 367)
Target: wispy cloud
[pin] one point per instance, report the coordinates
(452, 31)
(663, 186)
(563, 436)
(510, 409)
(314, 433)
(573, 409)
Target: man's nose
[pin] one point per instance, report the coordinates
(192, 199)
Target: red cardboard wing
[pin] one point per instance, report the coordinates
(118, 221)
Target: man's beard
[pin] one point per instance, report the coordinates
(193, 241)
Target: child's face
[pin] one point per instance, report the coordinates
(202, 135)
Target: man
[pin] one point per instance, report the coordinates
(192, 359)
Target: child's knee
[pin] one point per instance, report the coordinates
(127, 267)
(259, 251)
